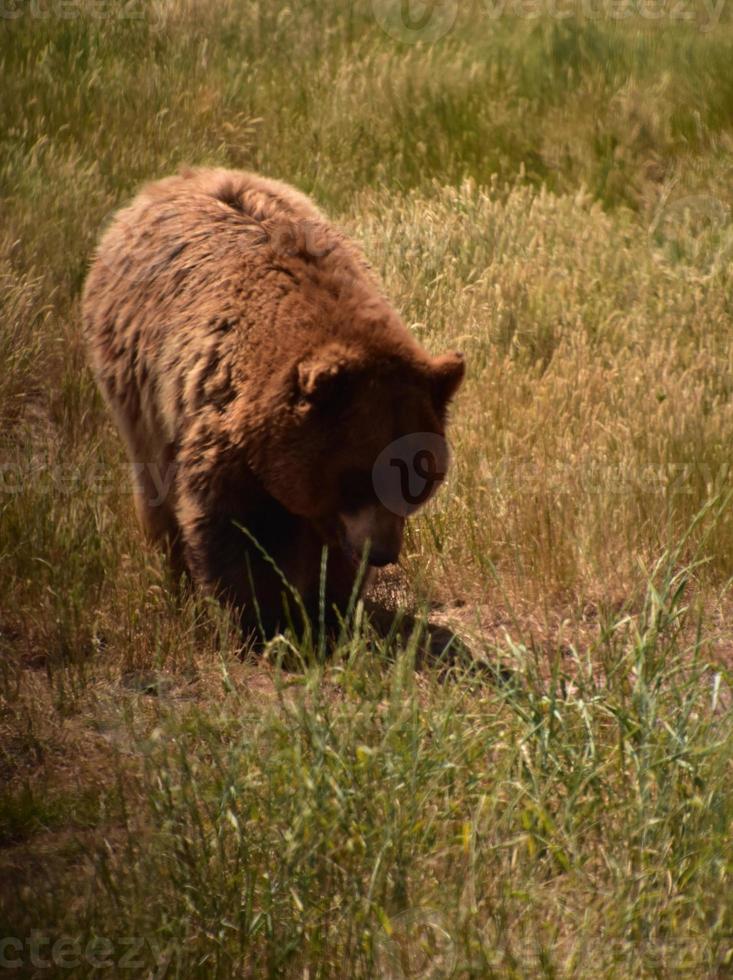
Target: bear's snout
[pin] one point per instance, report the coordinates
(379, 557)
(375, 529)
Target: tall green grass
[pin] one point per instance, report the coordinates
(364, 820)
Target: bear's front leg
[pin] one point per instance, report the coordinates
(239, 544)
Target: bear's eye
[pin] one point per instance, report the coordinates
(357, 489)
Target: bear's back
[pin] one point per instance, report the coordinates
(188, 241)
(261, 198)
(207, 282)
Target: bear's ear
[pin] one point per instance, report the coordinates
(324, 374)
(446, 374)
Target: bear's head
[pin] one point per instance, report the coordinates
(361, 443)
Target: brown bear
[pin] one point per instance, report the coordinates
(256, 373)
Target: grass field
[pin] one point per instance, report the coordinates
(547, 187)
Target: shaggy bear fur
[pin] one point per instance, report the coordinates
(255, 371)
